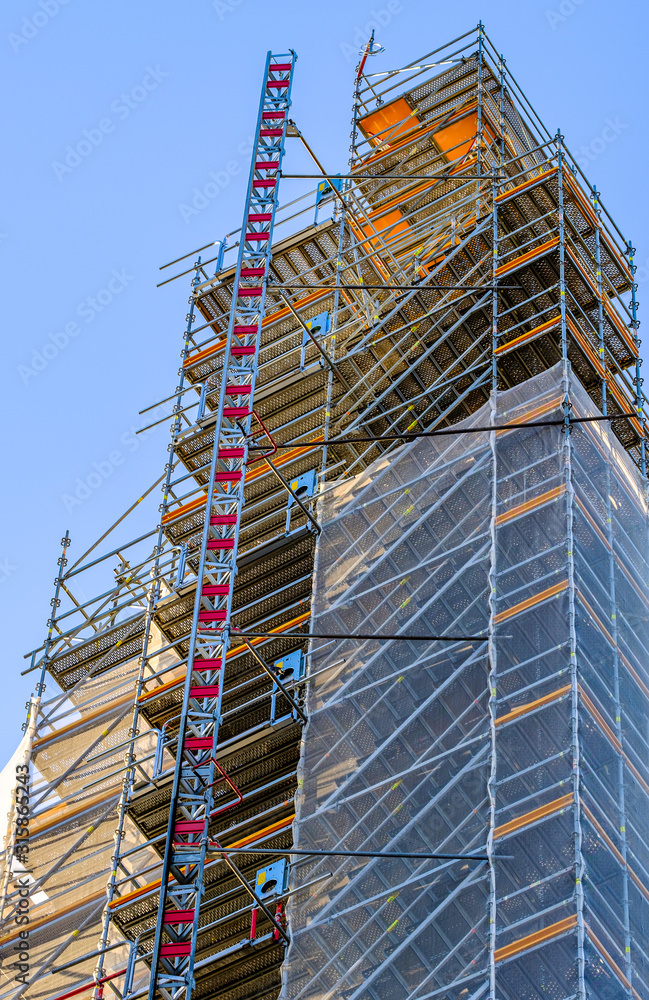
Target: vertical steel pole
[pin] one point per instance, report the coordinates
(601, 348)
(637, 381)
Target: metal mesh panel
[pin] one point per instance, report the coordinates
(419, 747)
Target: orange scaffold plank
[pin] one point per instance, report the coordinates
(532, 182)
(530, 602)
(538, 937)
(529, 257)
(599, 718)
(534, 815)
(530, 335)
(529, 706)
(37, 919)
(607, 635)
(529, 505)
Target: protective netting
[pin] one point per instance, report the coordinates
(77, 771)
(531, 746)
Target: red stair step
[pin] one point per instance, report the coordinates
(250, 292)
(175, 950)
(267, 165)
(228, 477)
(264, 182)
(251, 237)
(199, 742)
(223, 519)
(231, 452)
(238, 352)
(244, 331)
(204, 691)
(216, 590)
(259, 217)
(238, 390)
(268, 115)
(233, 412)
(220, 543)
(189, 826)
(252, 272)
(277, 83)
(205, 664)
(270, 131)
(178, 917)
(212, 616)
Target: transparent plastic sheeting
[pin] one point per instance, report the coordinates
(531, 744)
(75, 813)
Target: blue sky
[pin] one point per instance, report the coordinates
(117, 116)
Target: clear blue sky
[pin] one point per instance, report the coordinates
(161, 94)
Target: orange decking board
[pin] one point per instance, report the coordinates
(418, 132)
(607, 635)
(531, 706)
(530, 602)
(529, 336)
(529, 257)
(534, 815)
(531, 415)
(538, 937)
(529, 505)
(611, 312)
(526, 185)
(37, 919)
(624, 402)
(389, 121)
(65, 811)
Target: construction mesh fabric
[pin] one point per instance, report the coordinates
(397, 750)
(77, 771)
(533, 746)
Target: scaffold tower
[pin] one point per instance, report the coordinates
(364, 713)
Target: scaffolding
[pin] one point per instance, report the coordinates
(463, 270)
